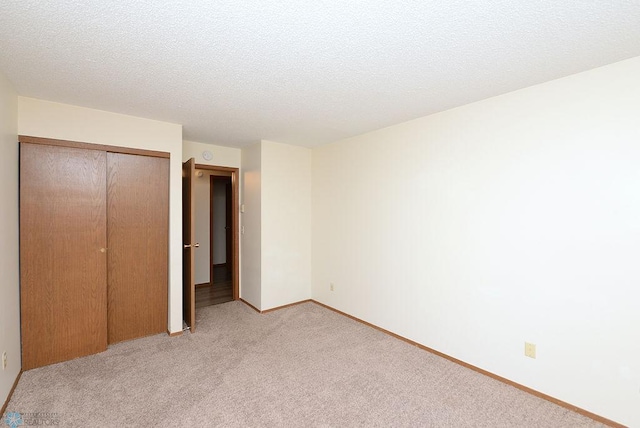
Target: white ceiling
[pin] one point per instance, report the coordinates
(301, 72)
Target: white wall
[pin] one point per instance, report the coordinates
(276, 245)
(251, 247)
(512, 219)
(202, 197)
(61, 121)
(9, 242)
(201, 226)
(222, 156)
(286, 224)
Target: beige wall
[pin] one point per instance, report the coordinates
(276, 245)
(202, 196)
(286, 224)
(201, 226)
(9, 243)
(53, 120)
(222, 156)
(250, 224)
(512, 219)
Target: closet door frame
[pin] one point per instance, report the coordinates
(91, 146)
(97, 147)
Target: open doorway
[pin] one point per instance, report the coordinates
(216, 259)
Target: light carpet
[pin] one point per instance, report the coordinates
(296, 367)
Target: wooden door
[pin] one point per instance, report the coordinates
(63, 260)
(188, 238)
(138, 223)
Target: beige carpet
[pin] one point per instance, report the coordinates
(300, 366)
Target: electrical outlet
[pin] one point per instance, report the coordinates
(331, 286)
(530, 350)
(4, 360)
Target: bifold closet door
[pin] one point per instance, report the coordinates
(138, 224)
(63, 240)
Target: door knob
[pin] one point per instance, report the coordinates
(196, 245)
(103, 250)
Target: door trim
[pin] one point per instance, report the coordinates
(235, 242)
(188, 241)
(91, 146)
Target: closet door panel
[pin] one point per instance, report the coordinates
(138, 224)
(63, 268)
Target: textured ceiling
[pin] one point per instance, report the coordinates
(301, 72)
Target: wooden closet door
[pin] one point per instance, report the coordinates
(138, 224)
(63, 236)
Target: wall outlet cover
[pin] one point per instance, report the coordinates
(530, 350)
